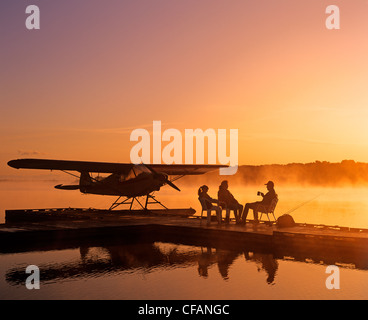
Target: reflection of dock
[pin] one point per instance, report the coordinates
(112, 258)
(317, 243)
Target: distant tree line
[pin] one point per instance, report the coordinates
(318, 173)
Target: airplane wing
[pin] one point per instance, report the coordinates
(184, 169)
(106, 167)
(81, 166)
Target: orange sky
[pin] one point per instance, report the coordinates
(95, 71)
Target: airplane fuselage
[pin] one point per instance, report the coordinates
(114, 185)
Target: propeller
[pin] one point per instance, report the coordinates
(171, 184)
(166, 180)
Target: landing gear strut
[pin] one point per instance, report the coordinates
(150, 199)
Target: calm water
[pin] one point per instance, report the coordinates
(171, 270)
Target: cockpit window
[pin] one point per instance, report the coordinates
(140, 168)
(136, 171)
(131, 175)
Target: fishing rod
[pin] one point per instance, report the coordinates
(302, 204)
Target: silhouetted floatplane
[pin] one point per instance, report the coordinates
(125, 180)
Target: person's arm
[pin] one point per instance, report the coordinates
(214, 200)
(209, 199)
(231, 197)
(268, 197)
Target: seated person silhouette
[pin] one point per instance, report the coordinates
(225, 196)
(267, 199)
(207, 201)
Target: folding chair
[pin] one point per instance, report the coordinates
(228, 213)
(270, 209)
(204, 208)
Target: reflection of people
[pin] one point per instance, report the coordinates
(207, 201)
(203, 262)
(270, 265)
(224, 195)
(267, 199)
(225, 259)
(265, 261)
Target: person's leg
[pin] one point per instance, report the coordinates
(248, 206)
(236, 214)
(258, 207)
(227, 220)
(218, 213)
(245, 212)
(240, 210)
(255, 214)
(235, 209)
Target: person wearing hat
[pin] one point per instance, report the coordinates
(267, 199)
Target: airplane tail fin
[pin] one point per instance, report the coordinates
(85, 179)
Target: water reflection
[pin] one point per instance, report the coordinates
(264, 262)
(121, 256)
(99, 261)
(222, 258)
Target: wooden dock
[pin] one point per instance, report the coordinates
(331, 243)
(22, 215)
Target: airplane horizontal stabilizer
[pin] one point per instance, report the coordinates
(67, 187)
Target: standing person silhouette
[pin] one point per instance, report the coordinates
(267, 199)
(225, 196)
